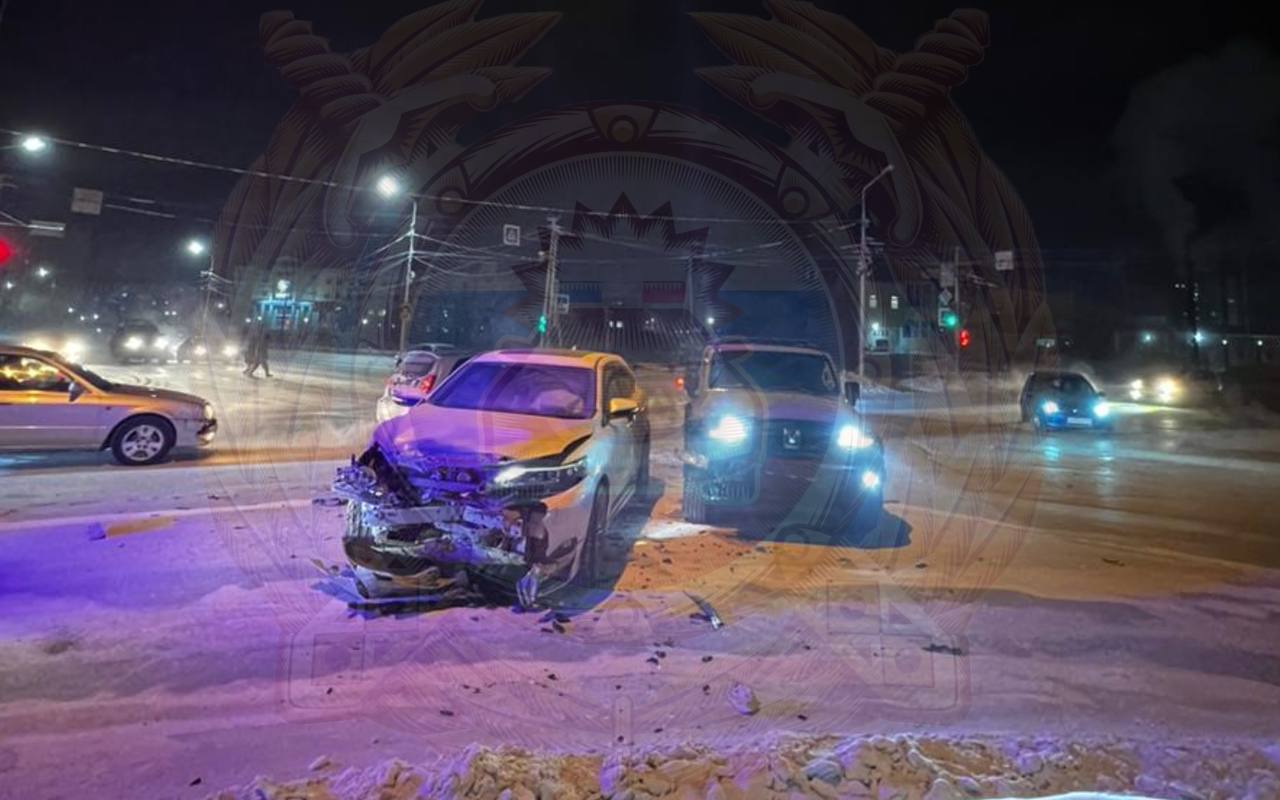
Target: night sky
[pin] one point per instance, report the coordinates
(186, 78)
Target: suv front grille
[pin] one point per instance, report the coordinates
(797, 438)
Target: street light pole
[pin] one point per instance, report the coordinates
(864, 264)
(408, 275)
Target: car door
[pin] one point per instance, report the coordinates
(620, 434)
(37, 410)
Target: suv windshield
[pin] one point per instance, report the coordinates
(773, 371)
(538, 389)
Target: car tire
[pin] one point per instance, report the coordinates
(142, 441)
(591, 559)
(693, 503)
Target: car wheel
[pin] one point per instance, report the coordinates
(693, 503)
(142, 440)
(591, 559)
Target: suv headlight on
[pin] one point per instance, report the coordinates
(540, 480)
(133, 343)
(851, 437)
(206, 411)
(729, 429)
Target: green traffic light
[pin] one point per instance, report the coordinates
(950, 319)
(542, 323)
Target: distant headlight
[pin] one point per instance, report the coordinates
(133, 343)
(729, 430)
(1166, 390)
(200, 350)
(161, 342)
(230, 351)
(207, 411)
(1049, 407)
(1102, 409)
(72, 350)
(851, 437)
(541, 480)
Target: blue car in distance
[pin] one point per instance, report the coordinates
(1053, 399)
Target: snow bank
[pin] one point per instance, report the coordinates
(884, 768)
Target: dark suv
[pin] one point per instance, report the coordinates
(770, 432)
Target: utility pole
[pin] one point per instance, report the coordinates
(955, 337)
(408, 276)
(549, 291)
(864, 265)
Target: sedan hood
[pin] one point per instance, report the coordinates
(149, 393)
(778, 405)
(446, 434)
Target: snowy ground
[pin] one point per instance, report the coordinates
(166, 625)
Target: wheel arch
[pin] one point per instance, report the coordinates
(140, 414)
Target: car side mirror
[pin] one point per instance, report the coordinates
(622, 407)
(852, 392)
(74, 391)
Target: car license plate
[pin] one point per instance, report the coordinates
(1079, 421)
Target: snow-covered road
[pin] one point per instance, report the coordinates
(165, 625)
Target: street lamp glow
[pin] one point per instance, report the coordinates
(711, 320)
(8, 285)
(34, 144)
(42, 272)
(388, 186)
(1199, 337)
(196, 247)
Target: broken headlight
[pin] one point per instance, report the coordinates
(540, 480)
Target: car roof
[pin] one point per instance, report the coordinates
(556, 357)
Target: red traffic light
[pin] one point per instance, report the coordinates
(6, 251)
(964, 338)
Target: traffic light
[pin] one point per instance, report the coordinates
(964, 338)
(948, 318)
(6, 251)
(542, 323)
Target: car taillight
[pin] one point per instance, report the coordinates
(426, 383)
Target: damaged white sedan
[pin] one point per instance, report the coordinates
(511, 471)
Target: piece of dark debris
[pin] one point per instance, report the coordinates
(651, 660)
(444, 712)
(706, 688)
(557, 627)
(934, 647)
(921, 565)
(195, 782)
(329, 690)
(705, 659)
(551, 676)
(802, 717)
(1113, 562)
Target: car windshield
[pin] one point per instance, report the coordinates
(1071, 385)
(416, 365)
(773, 371)
(538, 389)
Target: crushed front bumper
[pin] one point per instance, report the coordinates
(392, 538)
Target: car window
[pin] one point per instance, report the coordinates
(773, 371)
(22, 374)
(618, 382)
(539, 389)
(417, 365)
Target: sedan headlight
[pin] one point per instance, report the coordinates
(73, 350)
(540, 480)
(161, 342)
(729, 429)
(851, 437)
(1049, 407)
(1102, 409)
(206, 411)
(230, 351)
(1166, 390)
(1135, 389)
(200, 350)
(133, 343)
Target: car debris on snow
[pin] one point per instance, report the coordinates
(708, 612)
(743, 699)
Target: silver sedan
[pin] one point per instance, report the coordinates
(47, 403)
